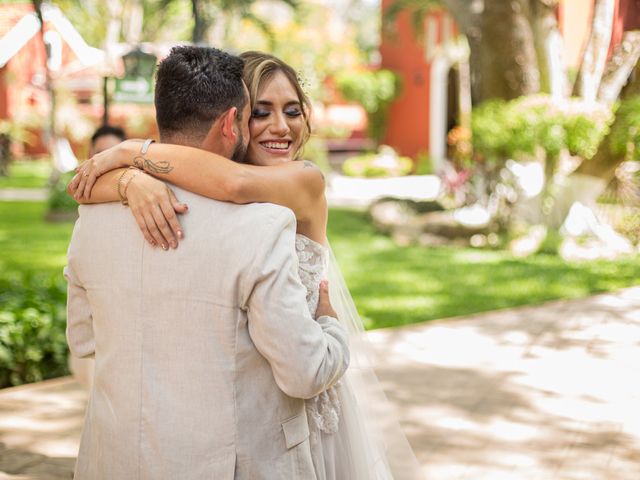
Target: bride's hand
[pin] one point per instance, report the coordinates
(154, 206)
(324, 304)
(120, 155)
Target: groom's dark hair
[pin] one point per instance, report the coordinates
(194, 86)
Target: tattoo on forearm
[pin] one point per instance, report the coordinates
(148, 165)
(310, 164)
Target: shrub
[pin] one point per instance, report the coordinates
(59, 200)
(33, 345)
(518, 128)
(375, 91)
(551, 243)
(625, 133)
(316, 150)
(424, 164)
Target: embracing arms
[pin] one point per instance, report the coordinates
(298, 186)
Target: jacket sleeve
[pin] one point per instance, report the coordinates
(79, 321)
(306, 356)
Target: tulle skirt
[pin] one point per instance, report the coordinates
(360, 449)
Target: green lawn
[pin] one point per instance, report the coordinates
(396, 286)
(28, 243)
(27, 174)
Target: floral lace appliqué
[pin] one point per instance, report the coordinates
(311, 266)
(324, 409)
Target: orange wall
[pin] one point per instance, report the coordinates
(575, 24)
(408, 128)
(4, 113)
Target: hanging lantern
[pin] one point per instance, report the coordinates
(137, 84)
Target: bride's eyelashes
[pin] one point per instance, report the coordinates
(261, 113)
(293, 112)
(258, 113)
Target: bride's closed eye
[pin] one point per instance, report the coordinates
(292, 112)
(259, 113)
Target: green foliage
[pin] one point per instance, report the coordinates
(33, 346)
(629, 226)
(424, 164)
(375, 91)
(377, 165)
(522, 127)
(583, 135)
(316, 151)
(551, 243)
(16, 130)
(418, 11)
(59, 200)
(625, 132)
(32, 294)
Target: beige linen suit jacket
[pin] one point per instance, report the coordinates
(202, 354)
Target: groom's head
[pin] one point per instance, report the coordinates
(201, 101)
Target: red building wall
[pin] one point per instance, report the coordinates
(408, 128)
(3, 93)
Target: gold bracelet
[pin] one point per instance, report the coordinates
(123, 200)
(136, 172)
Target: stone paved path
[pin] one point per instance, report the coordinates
(23, 194)
(537, 393)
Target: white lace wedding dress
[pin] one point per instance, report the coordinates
(345, 444)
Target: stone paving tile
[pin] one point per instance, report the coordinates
(522, 394)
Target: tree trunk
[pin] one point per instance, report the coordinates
(604, 163)
(590, 179)
(464, 94)
(133, 31)
(624, 58)
(595, 53)
(200, 27)
(5, 154)
(114, 26)
(508, 66)
(549, 48)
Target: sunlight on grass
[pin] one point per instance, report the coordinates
(479, 256)
(27, 174)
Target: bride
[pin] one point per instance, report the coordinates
(353, 434)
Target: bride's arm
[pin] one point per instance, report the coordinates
(295, 185)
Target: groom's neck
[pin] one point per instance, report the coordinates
(210, 143)
(179, 138)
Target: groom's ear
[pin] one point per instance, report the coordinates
(228, 124)
(222, 136)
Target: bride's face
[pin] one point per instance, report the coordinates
(276, 124)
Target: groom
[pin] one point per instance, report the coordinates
(204, 353)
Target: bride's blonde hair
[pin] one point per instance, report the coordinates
(260, 67)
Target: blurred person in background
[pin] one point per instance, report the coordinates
(105, 137)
